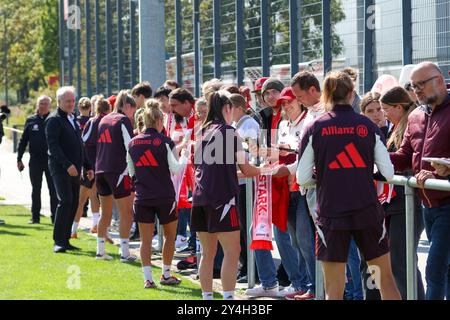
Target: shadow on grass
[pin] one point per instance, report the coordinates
(9, 233)
(176, 289)
(25, 226)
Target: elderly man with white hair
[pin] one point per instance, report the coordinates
(66, 158)
(34, 137)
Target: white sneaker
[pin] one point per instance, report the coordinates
(260, 291)
(286, 291)
(104, 257)
(181, 241)
(129, 259)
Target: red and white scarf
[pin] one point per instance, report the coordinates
(262, 215)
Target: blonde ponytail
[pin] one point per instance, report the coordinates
(336, 88)
(151, 115)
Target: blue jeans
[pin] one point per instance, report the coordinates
(267, 270)
(302, 236)
(353, 288)
(289, 258)
(183, 221)
(437, 227)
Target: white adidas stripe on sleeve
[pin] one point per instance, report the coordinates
(382, 159)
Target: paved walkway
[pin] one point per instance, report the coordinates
(15, 187)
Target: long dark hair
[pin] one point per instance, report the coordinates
(393, 97)
(216, 103)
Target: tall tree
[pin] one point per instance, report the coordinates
(32, 43)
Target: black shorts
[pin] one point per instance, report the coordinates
(113, 184)
(333, 245)
(166, 213)
(212, 220)
(85, 182)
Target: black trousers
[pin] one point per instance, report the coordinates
(397, 244)
(38, 167)
(68, 191)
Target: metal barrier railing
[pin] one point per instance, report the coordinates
(409, 183)
(15, 132)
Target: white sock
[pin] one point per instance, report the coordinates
(228, 295)
(101, 246)
(74, 227)
(166, 270)
(148, 273)
(125, 247)
(208, 296)
(95, 218)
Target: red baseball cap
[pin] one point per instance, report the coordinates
(259, 84)
(112, 101)
(286, 95)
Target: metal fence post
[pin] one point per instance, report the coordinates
(294, 31)
(14, 136)
(196, 31)
(70, 55)
(61, 42)
(411, 262)
(320, 287)
(179, 41)
(87, 12)
(240, 42)
(265, 45)
(217, 39)
(160, 236)
(78, 57)
(369, 10)
(249, 217)
(109, 71)
(407, 32)
(133, 48)
(120, 59)
(326, 28)
(98, 48)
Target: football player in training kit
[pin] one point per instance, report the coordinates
(152, 158)
(114, 134)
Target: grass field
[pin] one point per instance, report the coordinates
(30, 270)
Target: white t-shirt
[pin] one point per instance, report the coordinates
(247, 128)
(313, 113)
(289, 132)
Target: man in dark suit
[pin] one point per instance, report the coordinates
(65, 159)
(34, 137)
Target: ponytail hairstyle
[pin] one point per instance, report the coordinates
(150, 116)
(123, 98)
(84, 104)
(336, 88)
(216, 102)
(238, 101)
(394, 97)
(102, 106)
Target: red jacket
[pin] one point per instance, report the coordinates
(427, 135)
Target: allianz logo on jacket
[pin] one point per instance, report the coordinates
(361, 131)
